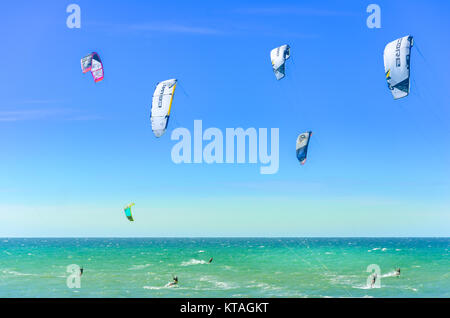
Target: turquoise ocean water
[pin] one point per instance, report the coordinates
(242, 267)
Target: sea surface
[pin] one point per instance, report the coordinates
(241, 267)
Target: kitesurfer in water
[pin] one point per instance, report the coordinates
(210, 260)
(397, 272)
(374, 279)
(81, 271)
(175, 281)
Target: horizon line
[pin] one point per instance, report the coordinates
(218, 237)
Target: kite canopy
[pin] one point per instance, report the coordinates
(278, 56)
(302, 146)
(161, 105)
(127, 211)
(93, 63)
(396, 65)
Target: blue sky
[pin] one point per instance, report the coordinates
(75, 152)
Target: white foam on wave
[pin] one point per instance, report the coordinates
(217, 284)
(17, 273)
(193, 262)
(168, 285)
(335, 279)
(390, 274)
(365, 287)
(154, 287)
(222, 285)
(138, 267)
(265, 286)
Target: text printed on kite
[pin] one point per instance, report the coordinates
(93, 63)
(161, 106)
(397, 55)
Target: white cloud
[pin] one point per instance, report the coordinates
(28, 114)
(293, 11)
(41, 114)
(174, 28)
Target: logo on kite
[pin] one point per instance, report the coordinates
(302, 146)
(397, 65)
(127, 211)
(278, 56)
(93, 64)
(161, 105)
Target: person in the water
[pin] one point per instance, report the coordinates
(175, 281)
(397, 272)
(81, 271)
(210, 260)
(374, 279)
